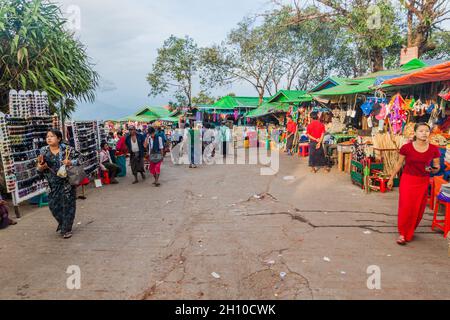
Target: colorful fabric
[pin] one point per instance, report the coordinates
(412, 203)
(62, 195)
(155, 168)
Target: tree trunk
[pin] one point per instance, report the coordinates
(63, 118)
(376, 59)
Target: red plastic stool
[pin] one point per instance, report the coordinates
(105, 177)
(303, 149)
(443, 225)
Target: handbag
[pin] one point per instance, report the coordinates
(156, 157)
(75, 174)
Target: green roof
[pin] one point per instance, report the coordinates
(157, 112)
(350, 86)
(328, 82)
(230, 103)
(291, 96)
(267, 108)
(413, 65)
(137, 118)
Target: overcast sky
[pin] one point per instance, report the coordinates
(122, 37)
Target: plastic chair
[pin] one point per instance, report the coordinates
(303, 149)
(441, 224)
(436, 184)
(104, 177)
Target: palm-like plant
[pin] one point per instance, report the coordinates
(38, 53)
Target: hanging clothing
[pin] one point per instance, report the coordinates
(414, 188)
(62, 196)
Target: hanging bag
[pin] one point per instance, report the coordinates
(155, 154)
(75, 174)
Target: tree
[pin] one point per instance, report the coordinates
(66, 108)
(250, 54)
(442, 42)
(423, 18)
(371, 28)
(38, 53)
(175, 68)
(203, 98)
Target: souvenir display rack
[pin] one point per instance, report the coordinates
(23, 134)
(85, 136)
(102, 133)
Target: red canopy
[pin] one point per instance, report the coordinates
(440, 72)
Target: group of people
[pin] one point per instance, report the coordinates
(418, 159)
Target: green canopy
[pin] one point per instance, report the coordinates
(170, 119)
(156, 112)
(231, 103)
(351, 86)
(413, 65)
(136, 118)
(291, 96)
(328, 83)
(267, 108)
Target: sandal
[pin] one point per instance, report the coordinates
(67, 235)
(401, 241)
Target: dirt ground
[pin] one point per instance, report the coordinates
(320, 232)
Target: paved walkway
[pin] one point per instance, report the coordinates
(141, 242)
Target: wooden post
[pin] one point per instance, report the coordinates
(340, 161)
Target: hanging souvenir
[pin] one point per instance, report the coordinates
(369, 122)
(381, 125)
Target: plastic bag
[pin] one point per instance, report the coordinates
(62, 172)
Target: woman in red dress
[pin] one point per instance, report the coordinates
(418, 157)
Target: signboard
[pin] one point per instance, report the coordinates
(407, 54)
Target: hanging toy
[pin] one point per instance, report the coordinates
(236, 115)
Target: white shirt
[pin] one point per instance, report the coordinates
(134, 146)
(150, 145)
(104, 157)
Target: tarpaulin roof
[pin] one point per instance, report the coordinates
(350, 86)
(158, 112)
(414, 64)
(137, 118)
(268, 108)
(291, 96)
(328, 83)
(440, 72)
(230, 102)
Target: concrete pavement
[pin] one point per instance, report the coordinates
(141, 242)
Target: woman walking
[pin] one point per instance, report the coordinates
(155, 145)
(62, 196)
(316, 134)
(135, 145)
(417, 156)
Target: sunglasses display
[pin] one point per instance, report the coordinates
(28, 104)
(7, 161)
(85, 137)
